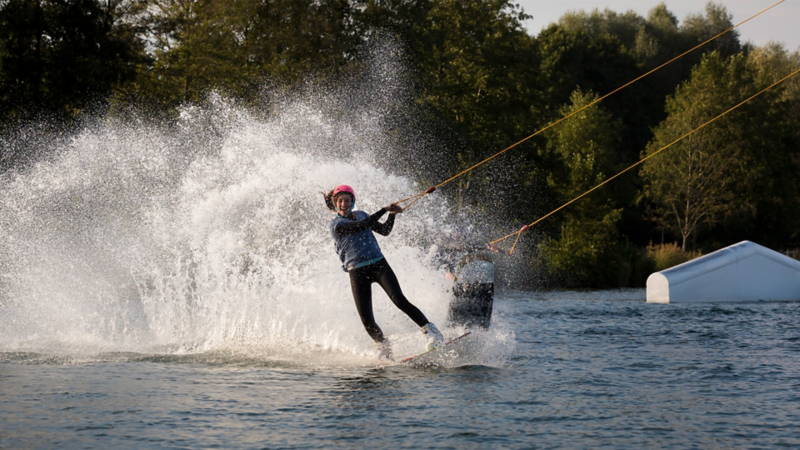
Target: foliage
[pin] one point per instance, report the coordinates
(770, 164)
(60, 57)
(669, 255)
(475, 62)
(588, 238)
(585, 145)
(699, 28)
(723, 179)
(691, 184)
(234, 46)
(584, 254)
(476, 74)
(635, 266)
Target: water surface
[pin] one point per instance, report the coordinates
(586, 370)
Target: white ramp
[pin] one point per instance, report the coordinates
(742, 272)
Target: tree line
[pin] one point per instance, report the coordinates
(486, 83)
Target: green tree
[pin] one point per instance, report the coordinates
(769, 180)
(577, 59)
(291, 39)
(691, 185)
(474, 60)
(657, 42)
(585, 145)
(194, 49)
(62, 57)
(698, 28)
(625, 27)
(238, 45)
(587, 240)
(476, 74)
(585, 254)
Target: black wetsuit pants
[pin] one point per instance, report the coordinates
(361, 280)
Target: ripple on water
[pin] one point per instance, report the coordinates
(698, 376)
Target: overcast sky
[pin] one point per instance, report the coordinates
(781, 23)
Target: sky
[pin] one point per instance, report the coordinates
(781, 23)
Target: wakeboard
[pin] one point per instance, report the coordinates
(431, 356)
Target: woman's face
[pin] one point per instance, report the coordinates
(343, 203)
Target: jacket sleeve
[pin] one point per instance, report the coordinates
(344, 228)
(384, 228)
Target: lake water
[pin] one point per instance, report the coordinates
(573, 370)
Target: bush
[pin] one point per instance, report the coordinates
(584, 255)
(636, 265)
(665, 256)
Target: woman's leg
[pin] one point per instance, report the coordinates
(388, 280)
(361, 284)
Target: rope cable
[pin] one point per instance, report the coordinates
(416, 197)
(519, 232)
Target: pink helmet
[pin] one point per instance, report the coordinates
(344, 188)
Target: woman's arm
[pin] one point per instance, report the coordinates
(384, 228)
(344, 228)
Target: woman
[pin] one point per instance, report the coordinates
(362, 258)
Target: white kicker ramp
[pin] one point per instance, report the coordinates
(742, 272)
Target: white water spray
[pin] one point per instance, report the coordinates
(207, 236)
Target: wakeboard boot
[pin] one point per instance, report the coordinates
(433, 336)
(384, 350)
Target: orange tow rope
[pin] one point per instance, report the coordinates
(525, 228)
(413, 199)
